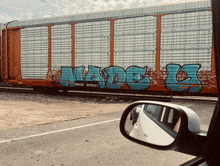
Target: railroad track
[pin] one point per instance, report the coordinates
(113, 96)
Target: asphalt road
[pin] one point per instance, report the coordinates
(97, 144)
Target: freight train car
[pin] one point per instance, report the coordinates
(160, 49)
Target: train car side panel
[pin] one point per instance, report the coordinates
(169, 51)
(34, 53)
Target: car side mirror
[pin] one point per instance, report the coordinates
(161, 125)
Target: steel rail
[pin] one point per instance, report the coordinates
(112, 96)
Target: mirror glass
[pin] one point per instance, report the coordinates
(154, 124)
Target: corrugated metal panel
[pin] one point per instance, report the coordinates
(135, 42)
(124, 13)
(187, 39)
(60, 46)
(92, 44)
(34, 53)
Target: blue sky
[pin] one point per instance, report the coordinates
(30, 9)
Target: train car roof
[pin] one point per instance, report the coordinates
(112, 14)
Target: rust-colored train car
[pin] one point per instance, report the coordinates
(160, 49)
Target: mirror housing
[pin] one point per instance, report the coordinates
(189, 138)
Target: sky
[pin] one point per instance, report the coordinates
(30, 9)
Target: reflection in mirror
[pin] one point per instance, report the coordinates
(154, 124)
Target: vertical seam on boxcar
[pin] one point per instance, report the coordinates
(73, 43)
(49, 51)
(213, 53)
(11, 59)
(213, 56)
(158, 39)
(19, 78)
(111, 41)
(6, 54)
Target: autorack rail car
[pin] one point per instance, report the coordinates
(160, 49)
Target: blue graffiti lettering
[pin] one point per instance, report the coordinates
(115, 77)
(136, 79)
(78, 71)
(94, 75)
(190, 84)
(66, 76)
(70, 75)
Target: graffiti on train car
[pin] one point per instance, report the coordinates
(190, 84)
(115, 77)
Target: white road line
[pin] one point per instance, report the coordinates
(57, 131)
